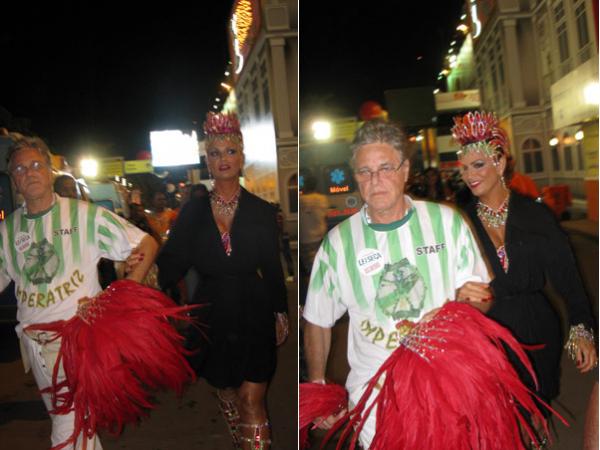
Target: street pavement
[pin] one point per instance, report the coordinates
(190, 422)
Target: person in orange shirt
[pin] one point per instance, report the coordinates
(161, 218)
(524, 185)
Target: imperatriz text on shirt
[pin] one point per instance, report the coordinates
(59, 292)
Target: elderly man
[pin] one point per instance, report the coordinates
(396, 259)
(50, 247)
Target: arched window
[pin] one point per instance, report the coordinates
(532, 156)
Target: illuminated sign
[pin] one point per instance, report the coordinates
(338, 189)
(244, 26)
(475, 19)
(138, 166)
(338, 179)
(342, 212)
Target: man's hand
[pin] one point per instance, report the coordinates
(325, 423)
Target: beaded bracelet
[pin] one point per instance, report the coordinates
(578, 332)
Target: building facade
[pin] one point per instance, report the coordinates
(536, 66)
(263, 83)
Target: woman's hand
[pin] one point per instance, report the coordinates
(478, 295)
(473, 291)
(281, 328)
(587, 359)
(134, 259)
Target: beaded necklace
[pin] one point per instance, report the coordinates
(493, 218)
(224, 207)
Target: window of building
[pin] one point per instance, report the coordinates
(292, 187)
(532, 156)
(563, 42)
(581, 162)
(582, 33)
(257, 110)
(263, 70)
(582, 29)
(555, 159)
(568, 152)
(266, 97)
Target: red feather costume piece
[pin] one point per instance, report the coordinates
(114, 353)
(318, 400)
(449, 386)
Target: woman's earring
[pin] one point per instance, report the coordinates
(503, 182)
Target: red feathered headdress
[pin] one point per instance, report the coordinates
(480, 131)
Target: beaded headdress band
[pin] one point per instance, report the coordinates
(222, 125)
(480, 131)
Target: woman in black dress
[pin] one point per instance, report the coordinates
(525, 247)
(231, 239)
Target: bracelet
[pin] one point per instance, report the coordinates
(577, 332)
(282, 317)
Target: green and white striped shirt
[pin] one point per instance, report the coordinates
(383, 274)
(52, 256)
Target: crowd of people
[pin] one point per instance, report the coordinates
(418, 242)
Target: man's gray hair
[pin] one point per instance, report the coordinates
(380, 131)
(28, 142)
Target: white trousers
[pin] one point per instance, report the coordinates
(42, 358)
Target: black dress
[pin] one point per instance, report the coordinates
(240, 293)
(538, 250)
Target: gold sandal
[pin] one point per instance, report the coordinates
(257, 441)
(232, 418)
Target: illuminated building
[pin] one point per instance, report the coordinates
(263, 77)
(536, 65)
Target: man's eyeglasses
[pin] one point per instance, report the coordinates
(385, 171)
(36, 166)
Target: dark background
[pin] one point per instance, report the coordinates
(352, 53)
(97, 79)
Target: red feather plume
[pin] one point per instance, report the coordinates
(121, 347)
(449, 386)
(318, 400)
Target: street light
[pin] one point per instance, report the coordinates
(89, 167)
(321, 130)
(579, 135)
(553, 142)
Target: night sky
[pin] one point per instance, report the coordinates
(351, 53)
(98, 80)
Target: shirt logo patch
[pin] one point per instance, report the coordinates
(369, 261)
(401, 292)
(22, 241)
(41, 262)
